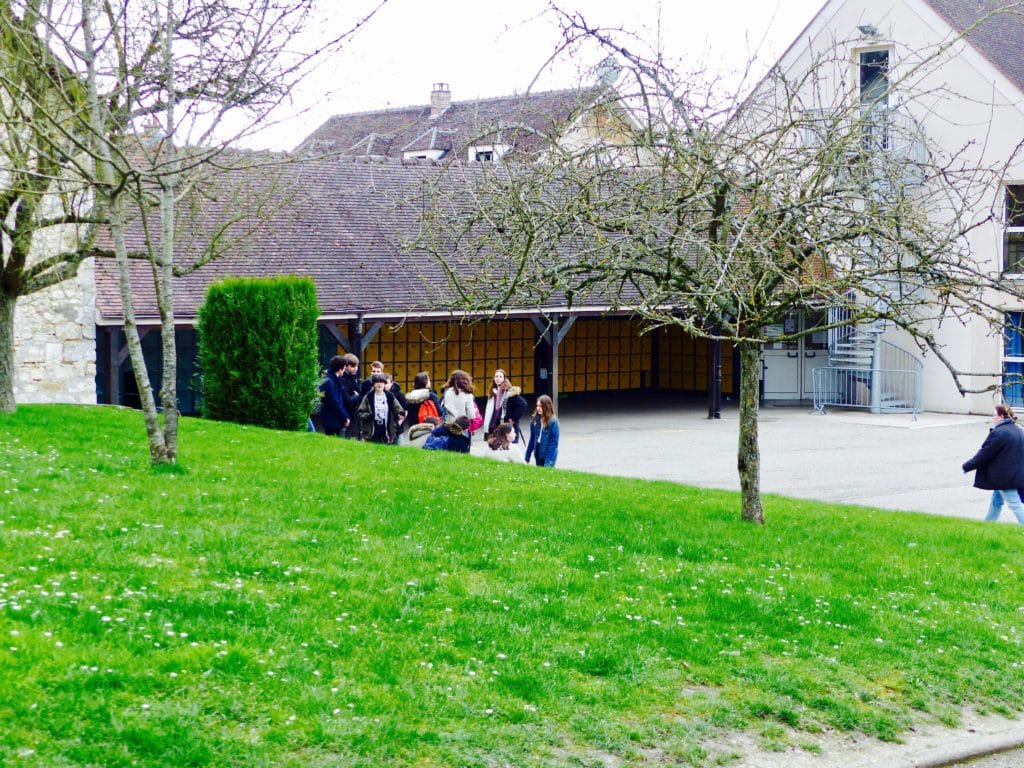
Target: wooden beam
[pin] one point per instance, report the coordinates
(341, 338)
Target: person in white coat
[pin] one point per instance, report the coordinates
(458, 397)
(458, 402)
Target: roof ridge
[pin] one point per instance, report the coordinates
(478, 100)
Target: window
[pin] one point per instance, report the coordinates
(1013, 359)
(873, 77)
(1013, 229)
(424, 154)
(487, 153)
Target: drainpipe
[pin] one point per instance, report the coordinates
(357, 338)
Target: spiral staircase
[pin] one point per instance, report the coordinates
(866, 372)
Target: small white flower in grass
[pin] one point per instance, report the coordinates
(336, 712)
(879, 640)
(173, 674)
(145, 706)
(488, 711)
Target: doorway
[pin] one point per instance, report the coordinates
(787, 365)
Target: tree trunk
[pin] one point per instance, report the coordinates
(163, 276)
(749, 454)
(7, 352)
(157, 446)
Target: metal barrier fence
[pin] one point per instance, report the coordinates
(879, 390)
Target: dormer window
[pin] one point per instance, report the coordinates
(1013, 229)
(487, 153)
(424, 154)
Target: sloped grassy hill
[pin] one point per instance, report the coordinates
(294, 600)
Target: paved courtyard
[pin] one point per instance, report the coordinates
(889, 461)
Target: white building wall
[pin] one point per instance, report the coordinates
(964, 104)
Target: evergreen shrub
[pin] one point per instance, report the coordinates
(258, 351)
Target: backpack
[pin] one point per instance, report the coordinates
(427, 408)
(477, 421)
(436, 443)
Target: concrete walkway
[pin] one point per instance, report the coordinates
(889, 461)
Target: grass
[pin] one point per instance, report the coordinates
(294, 600)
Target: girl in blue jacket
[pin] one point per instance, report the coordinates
(543, 443)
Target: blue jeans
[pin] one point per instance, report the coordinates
(1012, 499)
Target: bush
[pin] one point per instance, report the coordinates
(258, 351)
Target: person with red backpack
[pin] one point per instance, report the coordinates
(421, 401)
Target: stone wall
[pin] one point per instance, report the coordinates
(55, 342)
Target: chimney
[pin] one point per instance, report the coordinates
(440, 100)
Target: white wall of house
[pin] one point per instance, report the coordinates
(966, 104)
(55, 342)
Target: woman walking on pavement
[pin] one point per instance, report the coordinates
(543, 443)
(1000, 464)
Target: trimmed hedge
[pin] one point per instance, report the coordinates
(258, 351)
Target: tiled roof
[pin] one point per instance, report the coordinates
(513, 120)
(347, 223)
(1000, 38)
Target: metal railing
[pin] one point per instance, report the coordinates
(880, 390)
(876, 129)
(866, 372)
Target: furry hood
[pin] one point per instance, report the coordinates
(417, 396)
(416, 430)
(512, 391)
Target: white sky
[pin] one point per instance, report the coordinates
(491, 49)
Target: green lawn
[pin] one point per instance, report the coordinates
(295, 600)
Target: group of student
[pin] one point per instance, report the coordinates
(376, 410)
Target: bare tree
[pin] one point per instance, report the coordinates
(722, 216)
(164, 89)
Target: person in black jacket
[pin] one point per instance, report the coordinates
(1000, 464)
(334, 416)
(351, 389)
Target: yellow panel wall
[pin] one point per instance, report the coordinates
(604, 353)
(440, 348)
(683, 361)
(597, 354)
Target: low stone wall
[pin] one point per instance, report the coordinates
(55, 342)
